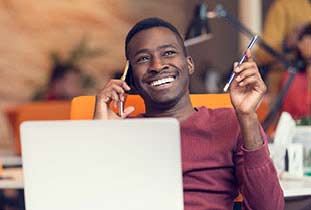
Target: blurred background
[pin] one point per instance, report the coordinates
(42, 41)
(55, 50)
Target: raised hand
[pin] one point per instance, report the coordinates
(247, 89)
(113, 92)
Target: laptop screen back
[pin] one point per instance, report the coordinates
(102, 165)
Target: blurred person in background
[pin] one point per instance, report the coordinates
(282, 22)
(297, 102)
(66, 82)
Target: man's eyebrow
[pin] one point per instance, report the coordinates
(167, 46)
(144, 50)
(141, 51)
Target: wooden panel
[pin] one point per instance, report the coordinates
(30, 30)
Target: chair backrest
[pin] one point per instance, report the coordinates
(82, 107)
(48, 110)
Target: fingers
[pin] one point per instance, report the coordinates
(246, 65)
(246, 70)
(113, 91)
(115, 97)
(247, 74)
(248, 54)
(248, 81)
(127, 111)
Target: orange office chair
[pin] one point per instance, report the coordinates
(45, 110)
(82, 107)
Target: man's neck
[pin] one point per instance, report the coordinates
(181, 110)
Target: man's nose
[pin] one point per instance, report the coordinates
(157, 64)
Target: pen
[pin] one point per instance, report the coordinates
(250, 45)
(123, 77)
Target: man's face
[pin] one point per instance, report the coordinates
(69, 86)
(160, 68)
(304, 47)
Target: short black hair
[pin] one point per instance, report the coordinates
(151, 23)
(144, 25)
(306, 30)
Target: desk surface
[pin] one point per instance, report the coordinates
(10, 161)
(292, 187)
(12, 178)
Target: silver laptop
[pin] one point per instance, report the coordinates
(102, 165)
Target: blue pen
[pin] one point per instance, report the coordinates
(250, 45)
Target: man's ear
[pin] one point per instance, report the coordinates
(190, 65)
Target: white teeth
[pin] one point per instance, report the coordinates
(162, 81)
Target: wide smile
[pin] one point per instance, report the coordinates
(163, 81)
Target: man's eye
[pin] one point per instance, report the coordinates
(169, 53)
(142, 59)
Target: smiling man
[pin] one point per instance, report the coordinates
(224, 151)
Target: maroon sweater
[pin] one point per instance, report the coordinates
(216, 166)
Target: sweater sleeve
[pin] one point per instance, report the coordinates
(257, 178)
